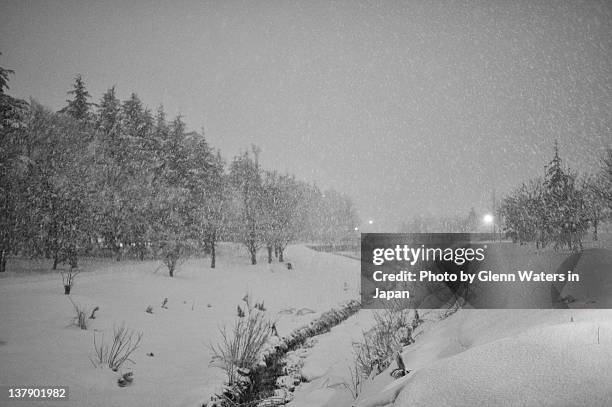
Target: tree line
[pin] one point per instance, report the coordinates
(441, 224)
(559, 208)
(115, 177)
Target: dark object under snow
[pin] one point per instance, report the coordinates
(400, 371)
(93, 313)
(126, 379)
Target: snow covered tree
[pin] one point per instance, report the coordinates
(4, 78)
(595, 204)
(13, 167)
(110, 207)
(245, 177)
(549, 210)
(567, 219)
(79, 106)
(59, 191)
(214, 206)
(605, 184)
(524, 213)
(137, 168)
(171, 233)
(281, 198)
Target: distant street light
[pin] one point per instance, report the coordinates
(370, 221)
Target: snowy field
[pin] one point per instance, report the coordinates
(473, 357)
(38, 345)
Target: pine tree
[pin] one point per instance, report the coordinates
(565, 210)
(4, 78)
(79, 106)
(13, 167)
(59, 196)
(111, 149)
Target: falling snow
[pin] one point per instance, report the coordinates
(410, 107)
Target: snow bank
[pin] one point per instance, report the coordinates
(554, 357)
(560, 365)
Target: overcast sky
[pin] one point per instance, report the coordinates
(417, 107)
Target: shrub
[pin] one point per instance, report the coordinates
(68, 279)
(240, 349)
(125, 342)
(392, 329)
(357, 378)
(80, 318)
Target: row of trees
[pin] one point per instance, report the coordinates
(450, 224)
(116, 177)
(560, 207)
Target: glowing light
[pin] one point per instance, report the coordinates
(488, 218)
(370, 221)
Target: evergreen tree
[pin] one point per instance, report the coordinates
(111, 149)
(4, 78)
(59, 196)
(596, 206)
(566, 217)
(79, 106)
(13, 168)
(108, 123)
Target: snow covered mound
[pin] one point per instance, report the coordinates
(514, 357)
(560, 365)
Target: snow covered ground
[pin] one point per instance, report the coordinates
(473, 357)
(505, 358)
(38, 345)
(558, 357)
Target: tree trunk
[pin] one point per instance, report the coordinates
(280, 254)
(252, 251)
(595, 230)
(212, 253)
(73, 258)
(3, 256)
(56, 260)
(269, 254)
